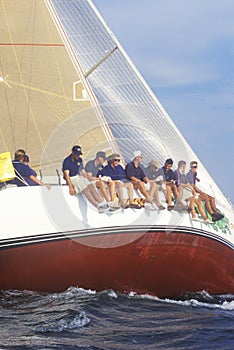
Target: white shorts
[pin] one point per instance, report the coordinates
(80, 183)
(147, 186)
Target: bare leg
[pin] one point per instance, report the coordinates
(179, 193)
(141, 186)
(204, 197)
(154, 189)
(101, 185)
(129, 187)
(169, 195)
(192, 207)
(111, 186)
(94, 193)
(201, 208)
(119, 186)
(174, 190)
(212, 204)
(89, 196)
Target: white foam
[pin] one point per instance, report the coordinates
(225, 305)
(78, 321)
(111, 293)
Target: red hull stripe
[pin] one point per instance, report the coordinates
(107, 231)
(29, 44)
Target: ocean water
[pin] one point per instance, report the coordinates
(85, 319)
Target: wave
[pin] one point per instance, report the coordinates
(67, 323)
(198, 299)
(194, 299)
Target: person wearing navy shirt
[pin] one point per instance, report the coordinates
(184, 189)
(75, 177)
(168, 179)
(92, 168)
(152, 172)
(209, 200)
(116, 173)
(136, 175)
(25, 176)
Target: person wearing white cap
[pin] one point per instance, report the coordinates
(136, 175)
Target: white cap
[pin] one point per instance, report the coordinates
(136, 154)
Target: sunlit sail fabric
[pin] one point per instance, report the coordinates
(37, 91)
(53, 93)
(136, 118)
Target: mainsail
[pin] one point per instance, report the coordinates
(63, 80)
(40, 88)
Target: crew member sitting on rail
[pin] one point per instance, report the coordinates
(76, 179)
(115, 171)
(136, 175)
(151, 171)
(209, 200)
(92, 168)
(25, 176)
(168, 176)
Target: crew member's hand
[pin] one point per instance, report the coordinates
(71, 191)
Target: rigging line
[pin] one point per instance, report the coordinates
(20, 177)
(57, 65)
(21, 76)
(46, 92)
(30, 73)
(74, 58)
(56, 60)
(9, 114)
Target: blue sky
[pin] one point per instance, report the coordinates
(185, 51)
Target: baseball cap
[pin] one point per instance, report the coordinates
(77, 150)
(101, 154)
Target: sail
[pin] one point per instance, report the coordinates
(40, 89)
(136, 118)
(65, 78)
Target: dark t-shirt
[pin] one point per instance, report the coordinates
(191, 177)
(24, 171)
(132, 170)
(74, 167)
(90, 167)
(166, 176)
(152, 175)
(180, 178)
(116, 173)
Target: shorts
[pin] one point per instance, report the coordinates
(187, 193)
(147, 186)
(80, 183)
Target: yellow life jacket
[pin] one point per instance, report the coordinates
(7, 171)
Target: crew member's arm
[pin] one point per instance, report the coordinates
(83, 173)
(90, 177)
(69, 183)
(38, 182)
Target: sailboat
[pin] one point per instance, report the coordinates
(64, 80)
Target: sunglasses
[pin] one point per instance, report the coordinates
(116, 160)
(194, 166)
